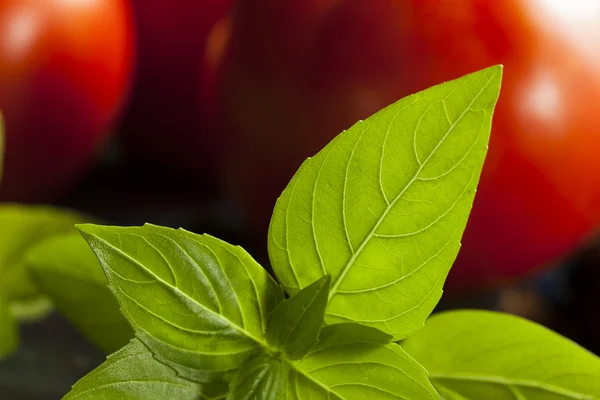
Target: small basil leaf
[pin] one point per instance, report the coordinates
(295, 323)
(359, 369)
(383, 206)
(199, 303)
(132, 373)
(22, 228)
(348, 333)
(261, 378)
(68, 271)
(489, 355)
(9, 331)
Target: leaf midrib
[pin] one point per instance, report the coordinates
(183, 294)
(339, 280)
(525, 383)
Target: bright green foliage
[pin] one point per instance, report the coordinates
(163, 280)
(382, 208)
(366, 232)
(362, 239)
(21, 227)
(262, 378)
(133, 374)
(473, 355)
(9, 333)
(68, 271)
(199, 303)
(351, 362)
(295, 323)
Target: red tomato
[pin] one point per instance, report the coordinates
(64, 72)
(297, 72)
(164, 122)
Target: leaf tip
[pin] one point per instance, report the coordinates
(493, 71)
(325, 282)
(496, 73)
(90, 231)
(84, 229)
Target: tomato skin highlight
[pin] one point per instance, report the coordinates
(296, 73)
(65, 72)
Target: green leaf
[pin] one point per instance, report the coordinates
(133, 373)
(351, 362)
(382, 208)
(9, 331)
(348, 333)
(68, 271)
(199, 303)
(1, 146)
(494, 356)
(261, 378)
(22, 228)
(295, 323)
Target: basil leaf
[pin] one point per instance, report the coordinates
(68, 271)
(382, 208)
(1, 147)
(262, 378)
(23, 227)
(132, 373)
(295, 323)
(359, 367)
(489, 355)
(9, 331)
(348, 333)
(199, 303)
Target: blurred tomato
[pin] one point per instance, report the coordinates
(297, 72)
(164, 122)
(64, 73)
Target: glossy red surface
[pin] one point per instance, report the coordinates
(65, 69)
